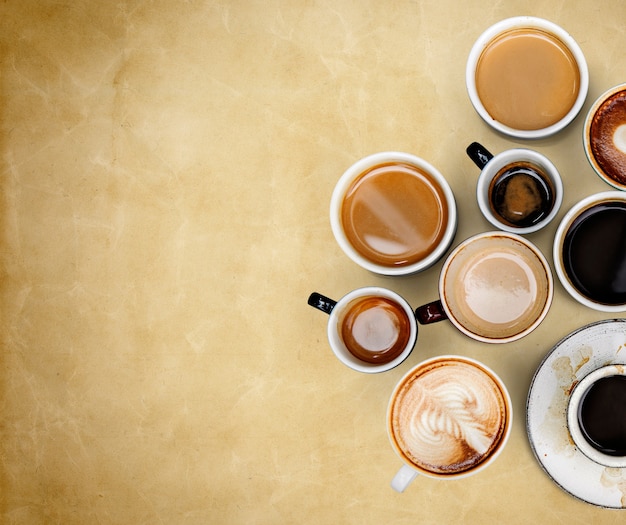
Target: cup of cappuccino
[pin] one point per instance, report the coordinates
(526, 77)
(604, 136)
(448, 417)
(590, 253)
(596, 415)
(494, 287)
(370, 329)
(519, 190)
(393, 213)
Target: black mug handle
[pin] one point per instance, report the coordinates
(321, 302)
(431, 313)
(479, 154)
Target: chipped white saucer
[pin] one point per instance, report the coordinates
(571, 359)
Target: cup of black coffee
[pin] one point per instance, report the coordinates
(518, 190)
(596, 415)
(590, 251)
(370, 329)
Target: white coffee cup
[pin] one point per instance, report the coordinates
(495, 287)
(449, 417)
(379, 323)
(394, 224)
(588, 251)
(598, 420)
(560, 38)
(530, 186)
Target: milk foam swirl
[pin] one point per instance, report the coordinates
(449, 418)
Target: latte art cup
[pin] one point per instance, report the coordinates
(370, 329)
(393, 213)
(506, 81)
(596, 415)
(604, 136)
(449, 417)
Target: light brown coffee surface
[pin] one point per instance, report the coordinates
(527, 79)
(449, 417)
(394, 214)
(607, 137)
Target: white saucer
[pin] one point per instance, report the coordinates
(572, 358)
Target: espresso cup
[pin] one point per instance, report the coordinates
(596, 415)
(393, 213)
(495, 287)
(519, 190)
(449, 417)
(370, 329)
(604, 136)
(590, 253)
(526, 77)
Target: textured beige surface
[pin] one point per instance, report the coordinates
(165, 179)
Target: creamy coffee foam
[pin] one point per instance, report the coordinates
(607, 137)
(449, 417)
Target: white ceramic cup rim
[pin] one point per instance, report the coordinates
(503, 159)
(572, 416)
(586, 138)
(557, 250)
(503, 440)
(528, 329)
(343, 185)
(521, 22)
(339, 348)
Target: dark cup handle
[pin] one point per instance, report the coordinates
(479, 154)
(431, 313)
(321, 302)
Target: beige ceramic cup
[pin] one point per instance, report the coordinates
(596, 415)
(393, 213)
(507, 82)
(495, 287)
(449, 417)
(604, 136)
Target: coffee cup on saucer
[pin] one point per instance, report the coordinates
(519, 190)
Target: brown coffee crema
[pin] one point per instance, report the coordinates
(449, 417)
(394, 214)
(375, 329)
(527, 79)
(607, 137)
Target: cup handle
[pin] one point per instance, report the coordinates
(479, 154)
(403, 478)
(321, 302)
(431, 313)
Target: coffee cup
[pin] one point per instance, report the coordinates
(495, 287)
(393, 213)
(590, 253)
(604, 136)
(449, 417)
(526, 77)
(370, 329)
(596, 415)
(519, 190)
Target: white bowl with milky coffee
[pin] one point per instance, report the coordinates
(604, 136)
(527, 77)
(393, 213)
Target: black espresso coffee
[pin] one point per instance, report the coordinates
(375, 329)
(594, 253)
(521, 195)
(602, 415)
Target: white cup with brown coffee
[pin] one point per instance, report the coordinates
(604, 136)
(526, 77)
(370, 329)
(449, 417)
(589, 251)
(495, 287)
(596, 415)
(519, 190)
(393, 213)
